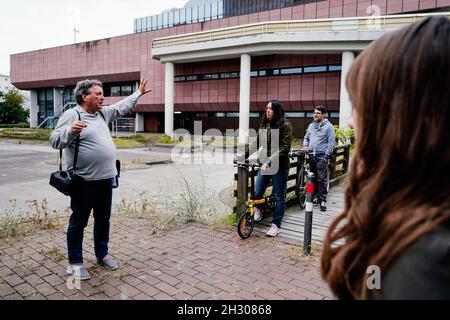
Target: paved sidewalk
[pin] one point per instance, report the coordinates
(192, 261)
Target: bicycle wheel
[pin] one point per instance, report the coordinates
(301, 188)
(245, 225)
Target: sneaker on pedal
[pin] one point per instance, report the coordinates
(258, 214)
(273, 231)
(323, 206)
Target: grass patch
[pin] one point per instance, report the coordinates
(26, 134)
(166, 139)
(15, 222)
(228, 220)
(124, 143)
(145, 207)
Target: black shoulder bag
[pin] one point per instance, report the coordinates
(64, 180)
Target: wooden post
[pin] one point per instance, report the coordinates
(242, 190)
(333, 164)
(346, 158)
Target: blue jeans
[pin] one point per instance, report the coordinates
(88, 195)
(279, 183)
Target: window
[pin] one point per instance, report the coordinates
(210, 76)
(69, 94)
(115, 91)
(127, 90)
(334, 68)
(295, 114)
(119, 89)
(193, 77)
(254, 115)
(220, 114)
(232, 114)
(314, 69)
(45, 102)
(228, 75)
(291, 71)
(261, 73)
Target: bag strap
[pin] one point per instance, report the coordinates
(101, 114)
(77, 144)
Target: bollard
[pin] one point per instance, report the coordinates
(307, 234)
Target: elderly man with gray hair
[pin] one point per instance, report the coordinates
(95, 167)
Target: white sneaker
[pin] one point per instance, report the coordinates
(258, 214)
(273, 231)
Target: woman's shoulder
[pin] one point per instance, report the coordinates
(423, 270)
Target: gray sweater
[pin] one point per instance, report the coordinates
(320, 137)
(97, 151)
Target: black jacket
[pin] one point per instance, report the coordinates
(423, 270)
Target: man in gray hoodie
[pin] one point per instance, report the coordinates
(96, 166)
(319, 142)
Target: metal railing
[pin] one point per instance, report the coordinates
(50, 122)
(362, 24)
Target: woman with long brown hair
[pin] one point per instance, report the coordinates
(276, 138)
(397, 210)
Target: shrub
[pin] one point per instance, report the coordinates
(166, 139)
(344, 135)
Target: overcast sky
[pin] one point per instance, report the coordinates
(27, 25)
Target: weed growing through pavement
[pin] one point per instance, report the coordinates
(198, 203)
(194, 203)
(296, 253)
(148, 207)
(18, 222)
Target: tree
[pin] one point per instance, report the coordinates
(11, 110)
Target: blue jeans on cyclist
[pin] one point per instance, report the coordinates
(279, 183)
(318, 166)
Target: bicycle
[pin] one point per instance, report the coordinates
(246, 221)
(300, 190)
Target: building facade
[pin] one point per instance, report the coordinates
(223, 71)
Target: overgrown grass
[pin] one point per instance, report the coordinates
(15, 125)
(15, 222)
(146, 207)
(26, 134)
(194, 203)
(124, 143)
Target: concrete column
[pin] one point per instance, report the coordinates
(34, 109)
(139, 126)
(169, 98)
(244, 98)
(345, 109)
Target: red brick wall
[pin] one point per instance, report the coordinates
(128, 57)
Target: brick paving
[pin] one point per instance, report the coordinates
(192, 261)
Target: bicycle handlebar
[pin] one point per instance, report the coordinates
(247, 165)
(296, 153)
